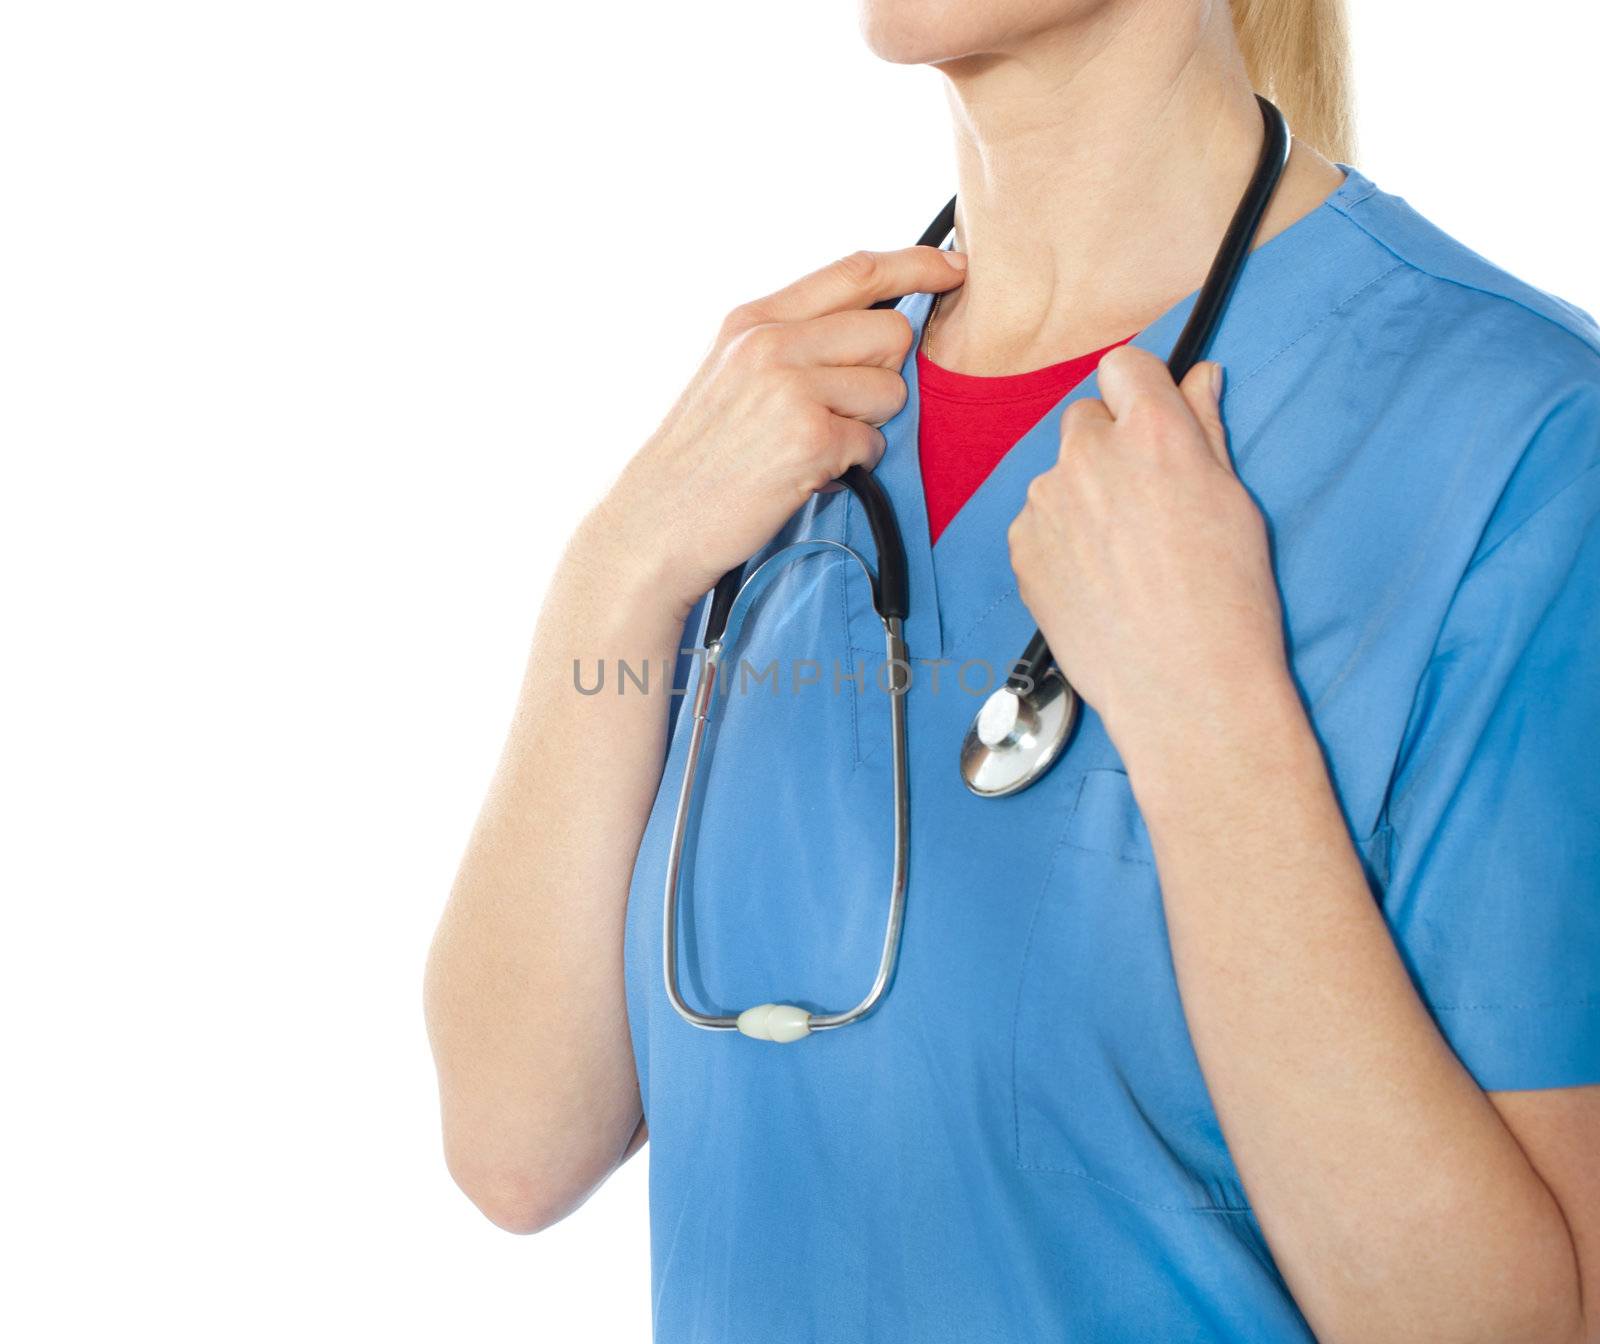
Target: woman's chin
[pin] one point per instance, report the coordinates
(929, 32)
(940, 32)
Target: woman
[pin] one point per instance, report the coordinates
(1273, 1011)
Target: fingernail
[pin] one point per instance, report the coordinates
(1216, 381)
(957, 259)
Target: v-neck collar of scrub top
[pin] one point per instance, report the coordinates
(1287, 285)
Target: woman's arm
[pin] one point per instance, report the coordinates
(1398, 1202)
(524, 986)
(1396, 1198)
(525, 1000)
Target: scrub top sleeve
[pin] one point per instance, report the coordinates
(1491, 851)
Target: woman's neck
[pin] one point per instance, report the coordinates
(1097, 168)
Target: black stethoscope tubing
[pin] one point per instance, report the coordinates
(891, 587)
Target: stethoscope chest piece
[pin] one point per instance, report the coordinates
(1017, 736)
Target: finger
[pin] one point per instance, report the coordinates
(1202, 390)
(860, 280)
(856, 444)
(860, 336)
(853, 443)
(1083, 416)
(872, 395)
(1128, 375)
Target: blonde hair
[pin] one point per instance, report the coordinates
(1297, 53)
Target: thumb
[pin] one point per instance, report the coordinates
(1202, 389)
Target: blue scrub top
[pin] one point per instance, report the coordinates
(1018, 1144)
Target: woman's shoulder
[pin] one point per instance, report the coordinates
(1502, 377)
(1517, 325)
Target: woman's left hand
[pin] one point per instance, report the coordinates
(1145, 561)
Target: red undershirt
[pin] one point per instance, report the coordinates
(968, 423)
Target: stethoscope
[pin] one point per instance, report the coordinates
(1021, 729)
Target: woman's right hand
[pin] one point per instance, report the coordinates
(539, 1101)
(790, 396)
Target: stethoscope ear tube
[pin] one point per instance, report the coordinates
(1235, 245)
(891, 589)
(784, 1022)
(891, 585)
(722, 597)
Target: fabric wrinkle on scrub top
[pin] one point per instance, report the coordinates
(1018, 1144)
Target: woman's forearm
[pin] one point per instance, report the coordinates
(1396, 1202)
(524, 987)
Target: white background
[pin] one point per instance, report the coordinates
(321, 323)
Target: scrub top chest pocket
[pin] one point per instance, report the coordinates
(1106, 1086)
